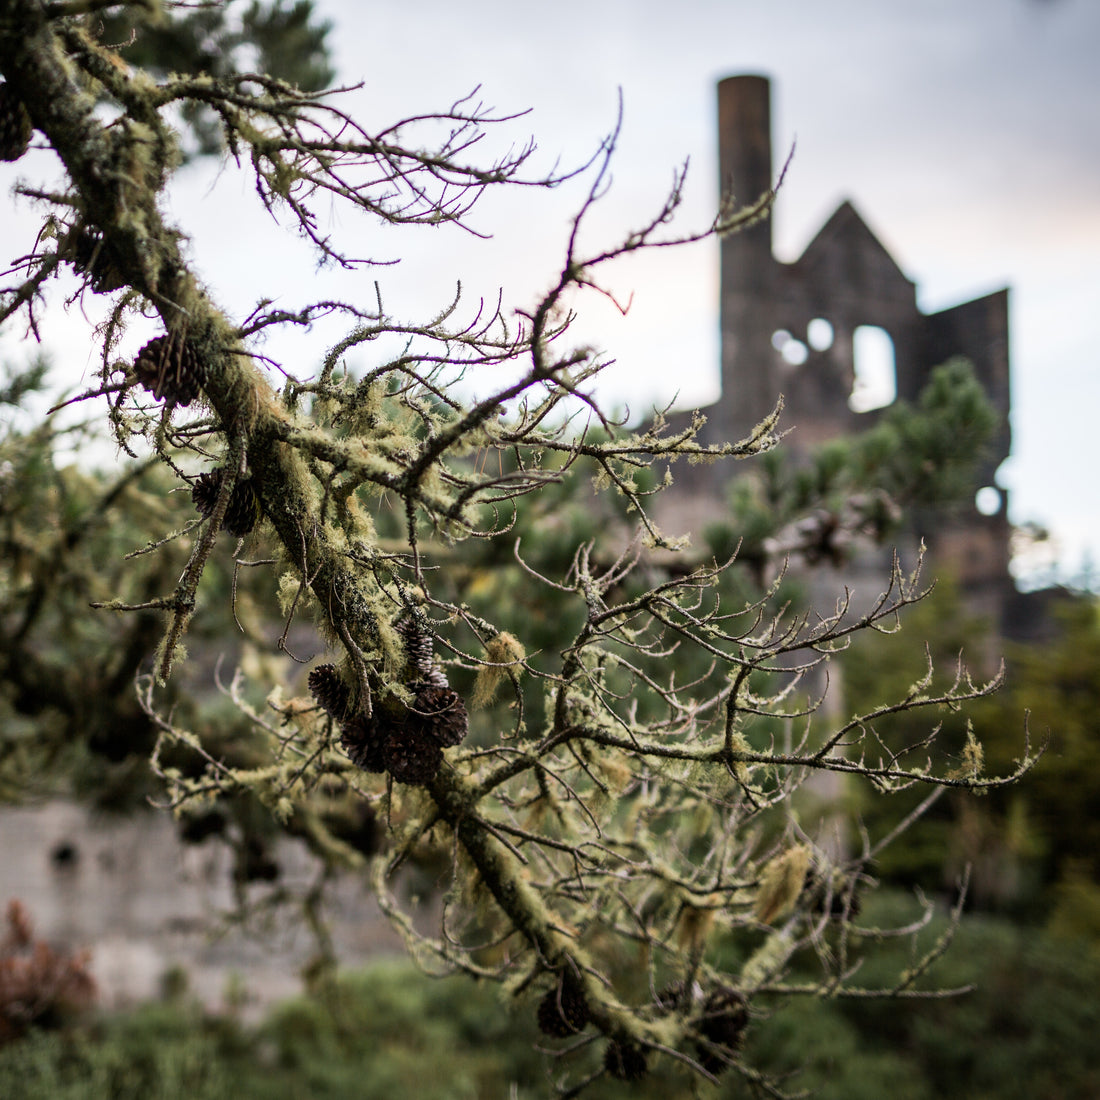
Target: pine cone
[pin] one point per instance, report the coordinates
(330, 690)
(243, 511)
(436, 677)
(625, 1061)
(406, 741)
(419, 645)
(440, 714)
(563, 1011)
(169, 368)
(205, 489)
(411, 756)
(725, 1017)
(364, 743)
(87, 253)
(15, 125)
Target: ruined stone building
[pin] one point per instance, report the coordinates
(793, 329)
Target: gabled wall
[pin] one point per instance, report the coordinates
(846, 277)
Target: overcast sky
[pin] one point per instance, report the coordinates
(966, 133)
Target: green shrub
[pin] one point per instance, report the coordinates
(156, 1053)
(1027, 1031)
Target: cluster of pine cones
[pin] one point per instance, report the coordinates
(563, 1012)
(405, 740)
(15, 125)
(721, 1025)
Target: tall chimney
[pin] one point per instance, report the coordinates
(748, 268)
(745, 149)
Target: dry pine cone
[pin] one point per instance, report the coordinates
(411, 756)
(440, 714)
(725, 1017)
(419, 646)
(329, 689)
(364, 742)
(405, 740)
(244, 509)
(563, 1011)
(168, 367)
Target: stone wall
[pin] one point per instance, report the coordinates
(845, 279)
(147, 904)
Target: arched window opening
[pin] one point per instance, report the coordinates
(876, 379)
(819, 334)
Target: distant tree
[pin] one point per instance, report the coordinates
(617, 842)
(220, 40)
(1058, 683)
(1034, 847)
(952, 831)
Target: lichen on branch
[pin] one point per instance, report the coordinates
(598, 738)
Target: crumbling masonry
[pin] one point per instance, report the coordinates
(790, 328)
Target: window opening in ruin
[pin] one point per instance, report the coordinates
(875, 379)
(988, 500)
(65, 856)
(793, 351)
(819, 334)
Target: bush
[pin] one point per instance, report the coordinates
(159, 1052)
(1026, 1031)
